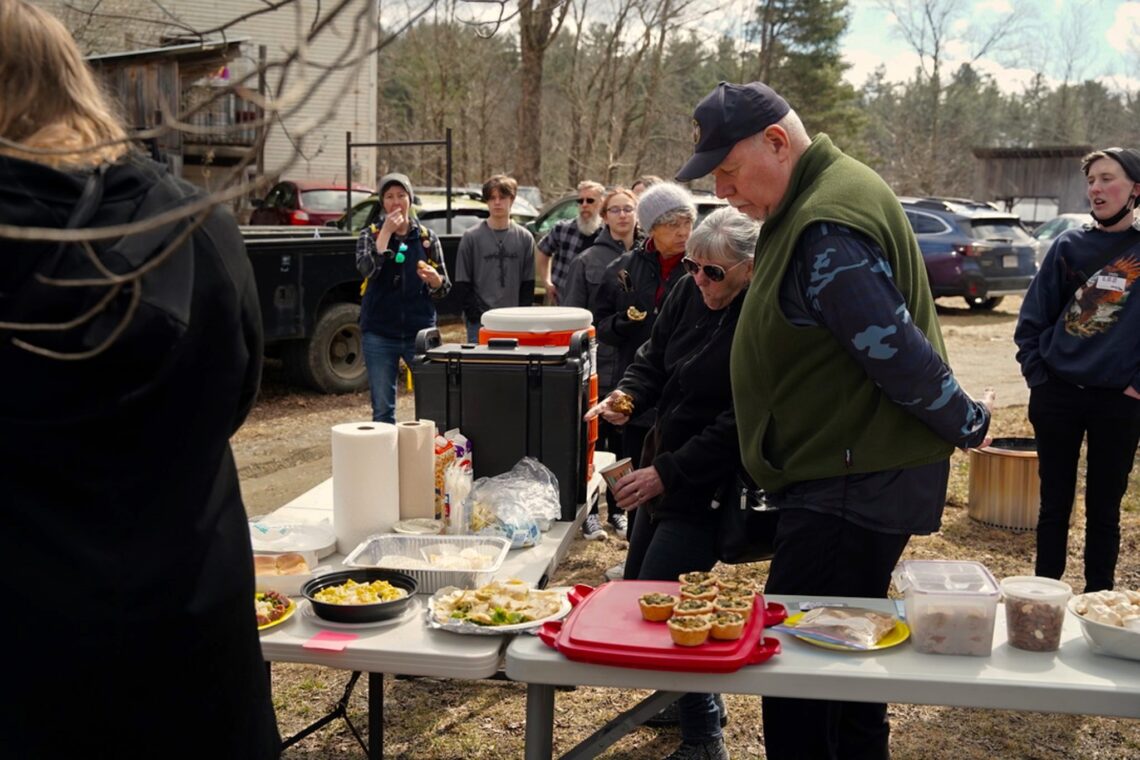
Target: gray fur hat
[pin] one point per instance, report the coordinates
(659, 200)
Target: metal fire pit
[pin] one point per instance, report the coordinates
(1005, 488)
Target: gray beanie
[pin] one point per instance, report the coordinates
(395, 178)
(659, 200)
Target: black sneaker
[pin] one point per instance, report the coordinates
(713, 749)
(592, 529)
(620, 523)
(671, 715)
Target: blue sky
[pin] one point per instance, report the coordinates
(1104, 36)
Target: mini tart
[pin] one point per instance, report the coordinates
(705, 591)
(727, 626)
(735, 588)
(742, 605)
(687, 607)
(657, 608)
(696, 577)
(690, 630)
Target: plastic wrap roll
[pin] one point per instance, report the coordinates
(417, 469)
(366, 481)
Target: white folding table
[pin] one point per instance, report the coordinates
(1071, 680)
(408, 646)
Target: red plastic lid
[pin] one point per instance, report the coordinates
(606, 628)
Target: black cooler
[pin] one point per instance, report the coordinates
(511, 401)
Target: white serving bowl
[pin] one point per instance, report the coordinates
(1106, 639)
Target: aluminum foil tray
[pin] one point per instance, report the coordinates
(384, 550)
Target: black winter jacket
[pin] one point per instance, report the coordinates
(121, 505)
(632, 281)
(683, 371)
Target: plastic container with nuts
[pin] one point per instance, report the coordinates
(950, 605)
(1034, 611)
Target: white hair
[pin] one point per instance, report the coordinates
(725, 235)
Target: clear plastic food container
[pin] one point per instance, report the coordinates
(1034, 611)
(434, 561)
(950, 605)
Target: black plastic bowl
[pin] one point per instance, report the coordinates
(360, 613)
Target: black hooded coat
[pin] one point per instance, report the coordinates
(130, 629)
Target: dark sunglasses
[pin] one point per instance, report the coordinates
(712, 271)
(587, 201)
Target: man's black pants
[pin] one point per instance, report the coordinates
(824, 555)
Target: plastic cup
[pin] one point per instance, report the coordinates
(1034, 611)
(616, 472)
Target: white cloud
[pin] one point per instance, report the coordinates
(1125, 28)
(1000, 7)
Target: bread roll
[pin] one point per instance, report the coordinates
(291, 564)
(264, 564)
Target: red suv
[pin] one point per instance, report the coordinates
(303, 201)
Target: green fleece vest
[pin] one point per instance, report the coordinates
(804, 408)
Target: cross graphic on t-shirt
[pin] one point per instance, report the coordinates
(502, 255)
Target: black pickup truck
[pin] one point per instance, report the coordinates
(309, 291)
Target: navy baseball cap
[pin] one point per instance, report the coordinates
(726, 116)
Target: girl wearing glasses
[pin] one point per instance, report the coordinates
(692, 453)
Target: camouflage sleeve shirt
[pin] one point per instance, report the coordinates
(839, 279)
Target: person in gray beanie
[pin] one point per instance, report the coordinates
(662, 204)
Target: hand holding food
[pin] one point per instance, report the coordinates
(616, 408)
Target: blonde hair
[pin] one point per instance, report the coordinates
(49, 97)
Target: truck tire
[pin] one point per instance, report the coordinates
(332, 359)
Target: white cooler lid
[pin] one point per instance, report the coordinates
(537, 319)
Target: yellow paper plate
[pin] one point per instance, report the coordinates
(288, 614)
(897, 635)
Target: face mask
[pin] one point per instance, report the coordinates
(1118, 215)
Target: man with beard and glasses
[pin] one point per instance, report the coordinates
(569, 238)
(495, 264)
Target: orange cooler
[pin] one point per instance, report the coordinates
(549, 326)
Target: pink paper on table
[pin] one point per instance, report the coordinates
(329, 640)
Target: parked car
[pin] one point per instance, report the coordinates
(304, 202)
(430, 208)
(972, 249)
(1043, 235)
(566, 207)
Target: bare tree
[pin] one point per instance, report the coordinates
(539, 23)
(930, 27)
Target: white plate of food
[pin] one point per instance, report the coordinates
(496, 608)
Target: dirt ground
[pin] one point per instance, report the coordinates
(283, 450)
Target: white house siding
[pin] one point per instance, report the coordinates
(345, 100)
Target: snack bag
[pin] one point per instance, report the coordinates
(444, 455)
(462, 446)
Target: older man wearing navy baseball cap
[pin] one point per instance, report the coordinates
(846, 409)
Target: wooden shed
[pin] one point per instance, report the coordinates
(156, 85)
(1037, 183)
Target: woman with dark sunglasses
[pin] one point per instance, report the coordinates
(692, 455)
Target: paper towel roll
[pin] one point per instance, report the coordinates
(366, 481)
(417, 468)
